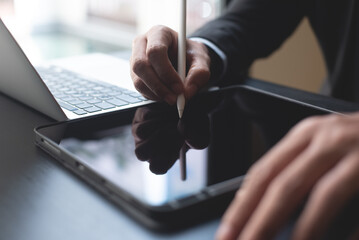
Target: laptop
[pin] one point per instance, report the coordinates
(60, 92)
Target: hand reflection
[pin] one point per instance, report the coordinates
(159, 135)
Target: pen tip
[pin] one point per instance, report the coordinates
(180, 105)
(180, 112)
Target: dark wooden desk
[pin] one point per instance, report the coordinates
(40, 199)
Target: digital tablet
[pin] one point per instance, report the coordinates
(131, 157)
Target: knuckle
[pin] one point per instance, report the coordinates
(311, 122)
(198, 49)
(201, 75)
(284, 185)
(159, 91)
(326, 190)
(137, 39)
(308, 125)
(334, 119)
(159, 28)
(332, 137)
(139, 65)
(256, 169)
(337, 135)
(258, 175)
(156, 51)
(139, 85)
(275, 186)
(336, 131)
(239, 194)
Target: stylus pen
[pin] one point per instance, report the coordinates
(183, 162)
(182, 73)
(182, 54)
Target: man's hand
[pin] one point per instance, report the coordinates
(316, 162)
(154, 62)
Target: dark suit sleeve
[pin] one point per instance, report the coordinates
(252, 29)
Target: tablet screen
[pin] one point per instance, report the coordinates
(221, 134)
(113, 156)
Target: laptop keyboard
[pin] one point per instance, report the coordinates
(82, 96)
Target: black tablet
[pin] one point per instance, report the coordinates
(131, 156)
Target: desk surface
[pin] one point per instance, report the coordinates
(40, 199)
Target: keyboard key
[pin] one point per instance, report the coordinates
(90, 92)
(136, 95)
(117, 102)
(81, 89)
(127, 91)
(129, 99)
(71, 92)
(63, 89)
(66, 98)
(67, 106)
(93, 101)
(105, 105)
(90, 84)
(84, 105)
(67, 83)
(80, 81)
(76, 86)
(75, 102)
(92, 109)
(80, 112)
(117, 88)
(114, 93)
(59, 95)
(142, 98)
(85, 98)
(104, 97)
(98, 88)
(56, 86)
(78, 95)
(105, 90)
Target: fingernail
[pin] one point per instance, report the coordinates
(224, 232)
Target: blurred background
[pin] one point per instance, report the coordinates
(57, 28)
(50, 29)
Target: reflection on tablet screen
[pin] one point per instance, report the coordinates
(113, 156)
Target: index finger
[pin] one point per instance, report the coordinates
(144, 76)
(160, 44)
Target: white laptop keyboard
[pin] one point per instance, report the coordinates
(82, 96)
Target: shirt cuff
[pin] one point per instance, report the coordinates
(216, 50)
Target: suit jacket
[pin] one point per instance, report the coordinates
(252, 29)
